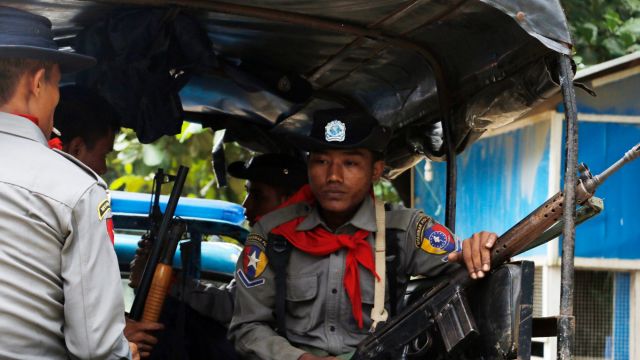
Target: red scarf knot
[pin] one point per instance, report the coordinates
(348, 243)
(321, 242)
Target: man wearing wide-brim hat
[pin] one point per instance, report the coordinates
(60, 287)
(329, 292)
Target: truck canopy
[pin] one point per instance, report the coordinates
(268, 65)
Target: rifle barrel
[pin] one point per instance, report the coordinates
(630, 155)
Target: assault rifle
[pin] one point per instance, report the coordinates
(445, 307)
(156, 277)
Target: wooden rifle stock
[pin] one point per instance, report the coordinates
(517, 238)
(163, 275)
(157, 292)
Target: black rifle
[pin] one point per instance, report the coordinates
(445, 306)
(161, 238)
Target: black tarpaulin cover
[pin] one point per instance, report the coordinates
(278, 61)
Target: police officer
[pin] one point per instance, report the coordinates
(270, 180)
(329, 227)
(60, 286)
(88, 125)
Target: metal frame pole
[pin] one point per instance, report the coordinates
(566, 321)
(452, 174)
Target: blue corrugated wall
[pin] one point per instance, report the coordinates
(614, 233)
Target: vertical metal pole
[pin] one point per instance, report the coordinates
(566, 323)
(452, 175)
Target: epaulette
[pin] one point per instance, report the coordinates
(84, 167)
(283, 215)
(400, 218)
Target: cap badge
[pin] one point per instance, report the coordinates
(335, 131)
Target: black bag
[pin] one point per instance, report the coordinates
(145, 56)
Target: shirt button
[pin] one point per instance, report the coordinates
(334, 291)
(332, 328)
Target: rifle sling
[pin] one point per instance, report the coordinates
(391, 238)
(278, 251)
(378, 313)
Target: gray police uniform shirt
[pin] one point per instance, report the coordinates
(318, 309)
(60, 292)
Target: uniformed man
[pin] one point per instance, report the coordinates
(60, 287)
(270, 180)
(88, 125)
(317, 302)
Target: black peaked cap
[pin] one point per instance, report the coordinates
(343, 129)
(272, 169)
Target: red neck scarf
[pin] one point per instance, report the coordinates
(320, 242)
(54, 143)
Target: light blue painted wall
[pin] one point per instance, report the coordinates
(501, 179)
(615, 233)
(496, 186)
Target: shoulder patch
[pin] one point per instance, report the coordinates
(436, 239)
(103, 208)
(255, 239)
(248, 283)
(420, 229)
(254, 261)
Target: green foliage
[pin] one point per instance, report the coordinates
(603, 29)
(385, 191)
(132, 165)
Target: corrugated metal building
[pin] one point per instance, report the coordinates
(512, 170)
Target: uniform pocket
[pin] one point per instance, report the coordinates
(302, 290)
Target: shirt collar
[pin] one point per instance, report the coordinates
(19, 126)
(364, 218)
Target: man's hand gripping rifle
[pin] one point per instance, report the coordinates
(445, 306)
